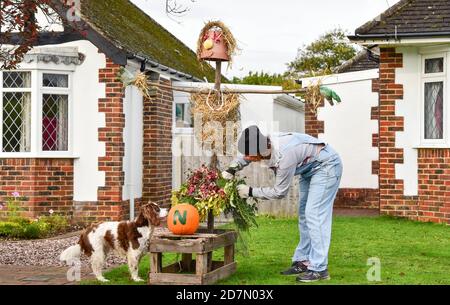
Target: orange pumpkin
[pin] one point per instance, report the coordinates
(183, 219)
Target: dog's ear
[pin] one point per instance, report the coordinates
(141, 221)
(151, 212)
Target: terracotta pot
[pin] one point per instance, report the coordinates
(214, 47)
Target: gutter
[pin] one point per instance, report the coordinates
(398, 36)
(153, 64)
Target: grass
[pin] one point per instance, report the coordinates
(410, 253)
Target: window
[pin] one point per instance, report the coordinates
(434, 99)
(16, 111)
(183, 116)
(54, 122)
(55, 112)
(34, 112)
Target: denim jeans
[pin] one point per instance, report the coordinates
(318, 189)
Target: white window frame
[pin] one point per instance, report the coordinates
(27, 90)
(180, 98)
(55, 90)
(37, 91)
(431, 78)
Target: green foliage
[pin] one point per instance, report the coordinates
(242, 210)
(14, 208)
(19, 227)
(320, 57)
(55, 223)
(209, 192)
(22, 228)
(265, 79)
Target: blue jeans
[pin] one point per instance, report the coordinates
(318, 189)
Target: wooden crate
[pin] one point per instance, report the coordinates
(201, 271)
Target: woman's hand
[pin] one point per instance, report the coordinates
(243, 190)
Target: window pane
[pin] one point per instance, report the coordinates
(55, 80)
(183, 115)
(14, 79)
(16, 122)
(55, 122)
(434, 65)
(434, 110)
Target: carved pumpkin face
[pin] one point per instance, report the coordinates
(183, 219)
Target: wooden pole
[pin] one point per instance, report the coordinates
(214, 160)
(228, 90)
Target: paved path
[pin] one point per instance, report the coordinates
(38, 275)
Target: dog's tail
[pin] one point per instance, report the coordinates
(70, 254)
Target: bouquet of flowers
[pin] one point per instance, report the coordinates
(208, 191)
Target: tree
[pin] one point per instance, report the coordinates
(265, 79)
(19, 27)
(320, 57)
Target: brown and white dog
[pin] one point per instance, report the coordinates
(128, 239)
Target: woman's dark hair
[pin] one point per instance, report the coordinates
(253, 143)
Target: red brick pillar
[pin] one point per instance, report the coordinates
(312, 125)
(157, 158)
(110, 205)
(392, 199)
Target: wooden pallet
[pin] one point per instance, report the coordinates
(201, 271)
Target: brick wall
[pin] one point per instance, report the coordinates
(312, 124)
(346, 197)
(157, 159)
(359, 198)
(392, 200)
(434, 185)
(43, 184)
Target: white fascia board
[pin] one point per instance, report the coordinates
(340, 78)
(402, 42)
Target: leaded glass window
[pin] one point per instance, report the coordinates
(16, 112)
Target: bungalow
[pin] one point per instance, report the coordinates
(72, 138)
(401, 109)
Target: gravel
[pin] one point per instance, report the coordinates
(44, 252)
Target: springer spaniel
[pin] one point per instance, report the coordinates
(128, 239)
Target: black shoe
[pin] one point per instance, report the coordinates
(313, 276)
(296, 268)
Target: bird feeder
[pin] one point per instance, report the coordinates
(214, 47)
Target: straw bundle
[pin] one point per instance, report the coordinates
(215, 109)
(140, 81)
(314, 97)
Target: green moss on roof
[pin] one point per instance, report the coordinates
(131, 29)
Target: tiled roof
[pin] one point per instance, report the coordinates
(130, 29)
(364, 60)
(409, 18)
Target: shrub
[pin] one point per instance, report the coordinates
(11, 229)
(23, 228)
(56, 223)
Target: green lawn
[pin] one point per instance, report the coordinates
(410, 253)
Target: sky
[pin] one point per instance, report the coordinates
(268, 32)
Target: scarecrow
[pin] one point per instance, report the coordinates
(315, 162)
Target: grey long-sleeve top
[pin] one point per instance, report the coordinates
(290, 151)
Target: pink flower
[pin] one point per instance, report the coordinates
(15, 194)
(51, 212)
(2, 206)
